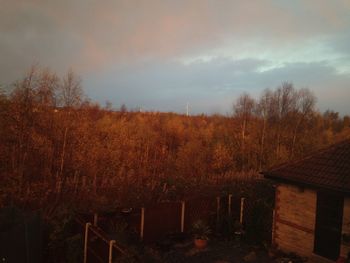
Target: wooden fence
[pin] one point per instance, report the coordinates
(153, 223)
(98, 247)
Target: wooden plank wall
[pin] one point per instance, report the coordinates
(295, 219)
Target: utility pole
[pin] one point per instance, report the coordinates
(187, 110)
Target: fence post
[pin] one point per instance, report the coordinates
(110, 254)
(217, 212)
(86, 241)
(273, 227)
(229, 204)
(95, 219)
(182, 216)
(218, 206)
(142, 222)
(242, 210)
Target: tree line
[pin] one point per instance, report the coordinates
(55, 141)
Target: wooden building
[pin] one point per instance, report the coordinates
(312, 208)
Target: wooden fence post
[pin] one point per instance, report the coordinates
(217, 212)
(142, 222)
(87, 225)
(110, 254)
(242, 210)
(273, 227)
(95, 219)
(229, 204)
(182, 216)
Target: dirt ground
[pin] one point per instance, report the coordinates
(218, 251)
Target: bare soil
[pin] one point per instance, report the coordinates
(218, 251)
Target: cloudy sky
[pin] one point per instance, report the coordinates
(161, 54)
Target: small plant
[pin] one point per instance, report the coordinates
(201, 230)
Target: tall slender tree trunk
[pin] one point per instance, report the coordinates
(95, 182)
(61, 177)
(278, 141)
(262, 141)
(295, 136)
(244, 124)
(63, 151)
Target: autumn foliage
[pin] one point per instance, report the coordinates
(55, 144)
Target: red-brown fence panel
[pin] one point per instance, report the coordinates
(203, 208)
(160, 220)
(134, 219)
(257, 220)
(235, 207)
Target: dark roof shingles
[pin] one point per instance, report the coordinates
(327, 168)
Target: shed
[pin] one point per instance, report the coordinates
(312, 204)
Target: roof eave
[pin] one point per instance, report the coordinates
(303, 183)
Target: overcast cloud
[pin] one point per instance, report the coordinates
(159, 55)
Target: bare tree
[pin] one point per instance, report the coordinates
(243, 111)
(263, 110)
(305, 105)
(71, 94)
(47, 88)
(283, 103)
(22, 112)
(71, 90)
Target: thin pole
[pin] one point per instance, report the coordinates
(273, 226)
(110, 254)
(27, 239)
(217, 208)
(217, 213)
(229, 204)
(242, 210)
(86, 241)
(95, 219)
(142, 222)
(182, 216)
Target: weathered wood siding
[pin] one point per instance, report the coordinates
(295, 214)
(345, 249)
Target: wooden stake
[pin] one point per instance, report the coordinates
(95, 219)
(110, 254)
(273, 226)
(242, 210)
(218, 207)
(229, 204)
(142, 222)
(182, 216)
(86, 241)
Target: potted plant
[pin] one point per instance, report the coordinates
(201, 232)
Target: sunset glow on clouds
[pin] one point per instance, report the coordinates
(162, 54)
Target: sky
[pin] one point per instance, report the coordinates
(162, 54)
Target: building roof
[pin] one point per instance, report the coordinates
(327, 168)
